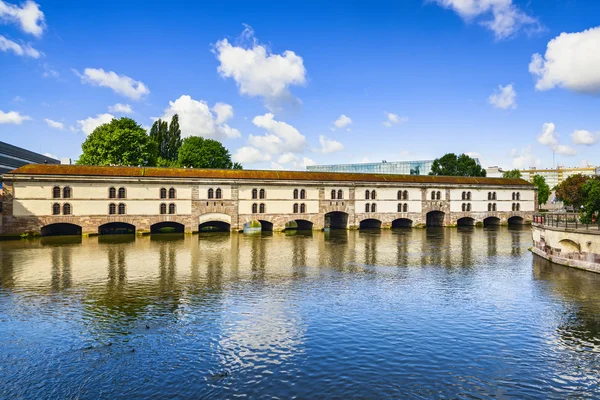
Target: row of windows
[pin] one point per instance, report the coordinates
(370, 195)
(114, 209)
(302, 194)
(113, 193)
(466, 206)
(171, 193)
(436, 195)
(258, 209)
(402, 207)
(163, 208)
(340, 195)
(516, 207)
(66, 209)
(492, 207)
(370, 207)
(516, 196)
(302, 208)
(491, 195)
(466, 195)
(66, 192)
(259, 194)
(215, 194)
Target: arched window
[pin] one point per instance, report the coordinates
(489, 205)
(55, 209)
(373, 207)
(494, 196)
(122, 193)
(518, 196)
(295, 194)
(399, 206)
(303, 194)
(261, 208)
(112, 193)
(333, 194)
(405, 195)
(295, 208)
(367, 194)
(464, 195)
(494, 207)
(254, 208)
(302, 208)
(513, 196)
(121, 208)
(112, 209)
(464, 207)
(254, 194)
(489, 195)
(66, 192)
(468, 206)
(56, 192)
(66, 209)
(399, 194)
(468, 195)
(433, 195)
(340, 194)
(172, 193)
(438, 195)
(367, 207)
(163, 193)
(218, 193)
(513, 204)
(262, 194)
(373, 195)
(211, 193)
(405, 207)
(172, 208)
(518, 206)
(163, 208)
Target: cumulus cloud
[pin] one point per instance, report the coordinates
(196, 118)
(258, 72)
(280, 137)
(121, 108)
(504, 97)
(393, 119)
(28, 16)
(500, 16)
(88, 125)
(329, 145)
(249, 155)
(584, 137)
(572, 61)
(12, 117)
(54, 124)
(291, 161)
(342, 122)
(120, 84)
(564, 150)
(549, 137)
(524, 158)
(20, 50)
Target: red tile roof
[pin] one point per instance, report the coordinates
(268, 175)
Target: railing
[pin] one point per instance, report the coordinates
(566, 221)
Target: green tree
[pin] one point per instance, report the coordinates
(119, 142)
(452, 165)
(512, 174)
(197, 152)
(543, 189)
(168, 140)
(570, 190)
(174, 139)
(591, 195)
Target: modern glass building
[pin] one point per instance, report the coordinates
(422, 167)
(12, 157)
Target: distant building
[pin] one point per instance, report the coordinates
(422, 167)
(494, 172)
(13, 157)
(555, 176)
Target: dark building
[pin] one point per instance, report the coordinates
(12, 157)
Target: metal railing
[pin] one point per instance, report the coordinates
(566, 221)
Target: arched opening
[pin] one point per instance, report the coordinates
(491, 221)
(465, 221)
(435, 218)
(402, 223)
(60, 229)
(370, 223)
(299, 224)
(336, 220)
(266, 226)
(116, 228)
(167, 227)
(568, 246)
(516, 220)
(214, 226)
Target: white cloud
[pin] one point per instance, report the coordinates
(120, 84)
(342, 121)
(504, 97)
(564, 150)
(500, 16)
(393, 119)
(196, 118)
(20, 50)
(329, 145)
(250, 155)
(524, 158)
(584, 137)
(280, 137)
(549, 137)
(88, 125)
(49, 72)
(54, 124)
(291, 161)
(121, 108)
(51, 155)
(259, 72)
(572, 61)
(17, 99)
(28, 16)
(12, 117)
(287, 158)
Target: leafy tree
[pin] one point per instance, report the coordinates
(174, 142)
(119, 142)
(543, 189)
(452, 165)
(570, 192)
(512, 174)
(197, 152)
(167, 138)
(591, 194)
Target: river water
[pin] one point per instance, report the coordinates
(455, 313)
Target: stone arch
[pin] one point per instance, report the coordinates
(214, 222)
(370, 223)
(568, 246)
(435, 218)
(336, 220)
(465, 221)
(299, 224)
(402, 223)
(116, 228)
(167, 227)
(60, 229)
(491, 221)
(515, 220)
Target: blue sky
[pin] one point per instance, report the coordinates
(403, 79)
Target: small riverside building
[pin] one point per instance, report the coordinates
(71, 199)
